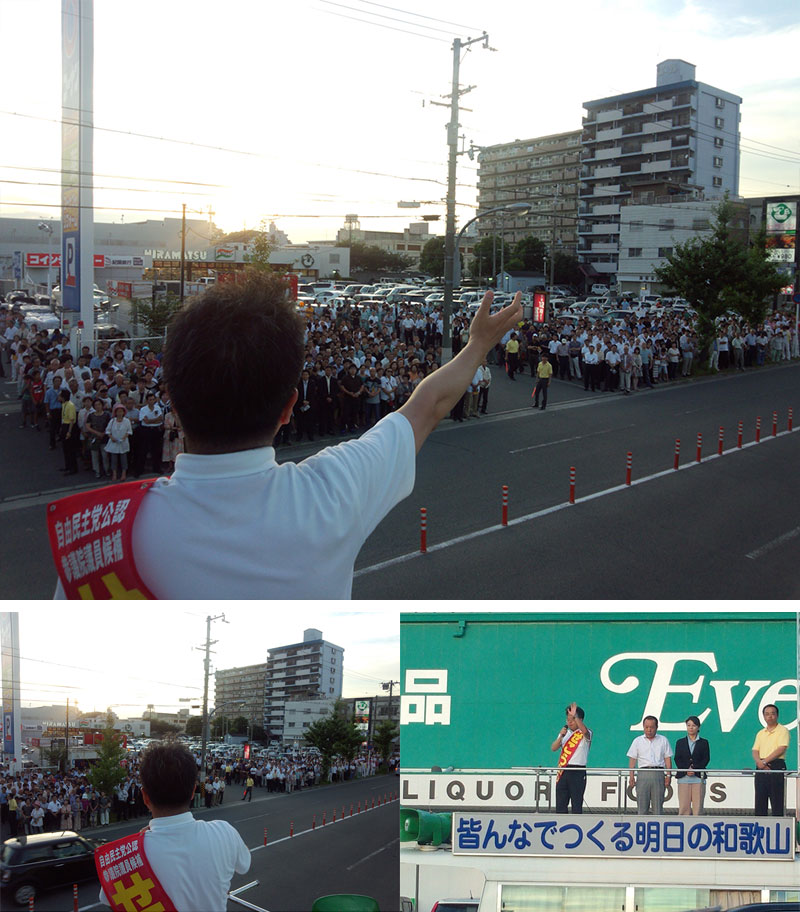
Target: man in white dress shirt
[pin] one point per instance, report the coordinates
(653, 754)
(194, 860)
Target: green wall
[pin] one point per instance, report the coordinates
(509, 677)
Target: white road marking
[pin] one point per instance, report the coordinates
(571, 439)
(402, 558)
(373, 854)
(787, 536)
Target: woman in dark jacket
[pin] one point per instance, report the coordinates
(692, 756)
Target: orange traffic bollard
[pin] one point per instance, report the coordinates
(758, 429)
(291, 827)
(739, 435)
(505, 505)
(677, 453)
(265, 835)
(721, 439)
(423, 530)
(774, 424)
(572, 484)
(628, 468)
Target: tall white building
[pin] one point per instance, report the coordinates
(674, 142)
(301, 671)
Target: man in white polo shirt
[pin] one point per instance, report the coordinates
(653, 754)
(193, 860)
(230, 522)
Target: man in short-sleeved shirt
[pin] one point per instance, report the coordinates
(653, 754)
(769, 750)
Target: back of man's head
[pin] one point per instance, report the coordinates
(232, 361)
(168, 772)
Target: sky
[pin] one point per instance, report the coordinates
(305, 112)
(127, 657)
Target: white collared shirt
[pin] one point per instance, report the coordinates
(194, 860)
(238, 525)
(650, 751)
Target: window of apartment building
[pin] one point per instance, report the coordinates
(719, 142)
(666, 224)
(634, 251)
(665, 251)
(636, 225)
(719, 123)
(719, 102)
(333, 680)
(717, 161)
(717, 181)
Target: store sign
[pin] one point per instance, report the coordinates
(781, 227)
(720, 839)
(224, 253)
(539, 306)
(492, 696)
(159, 254)
(46, 260)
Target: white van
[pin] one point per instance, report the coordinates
(600, 289)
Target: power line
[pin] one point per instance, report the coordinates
(98, 671)
(95, 187)
(381, 25)
(158, 180)
(421, 16)
(382, 16)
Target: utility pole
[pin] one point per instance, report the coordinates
(389, 685)
(183, 249)
(450, 228)
(207, 670)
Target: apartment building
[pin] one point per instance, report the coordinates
(672, 143)
(240, 692)
(542, 171)
(300, 671)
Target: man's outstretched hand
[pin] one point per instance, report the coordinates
(487, 329)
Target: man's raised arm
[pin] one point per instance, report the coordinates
(441, 390)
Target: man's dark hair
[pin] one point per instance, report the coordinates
(578, 712)
(169, 774)
(771, 706)
(233, 359)
(651, 719)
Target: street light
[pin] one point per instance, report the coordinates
(511, 209)
(45, 226)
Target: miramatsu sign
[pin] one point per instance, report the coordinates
(488, 691)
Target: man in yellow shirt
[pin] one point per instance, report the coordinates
(769, 749)
(70, 435)
(544, 371)
(512, 355)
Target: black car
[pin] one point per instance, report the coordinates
(31, 864)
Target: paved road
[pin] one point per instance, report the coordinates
(358, 854)
(674, 537)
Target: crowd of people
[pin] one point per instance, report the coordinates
(628, 354)
(109, 410)
(44, 800)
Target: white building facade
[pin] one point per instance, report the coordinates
(674, 142)
(307, 670)
(299, 715)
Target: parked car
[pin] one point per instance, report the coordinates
(600, 289)
(456, 905)
(33, 864)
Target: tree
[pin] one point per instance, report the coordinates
(155, 315)
(368, 258)
(718, 272)
(55, 755)
(159, 728)
(260, 249)
(108, 771)
(482, 263)
(566, 270)
(761, 279)
(529, 254)
(194, 726)
(432, 260)
(334, 736)
(384, 737)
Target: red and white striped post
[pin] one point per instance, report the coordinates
(790, 420)
(758, 429)
(677, 454)
(291, 827)
(628, 468)
(505, 505)
(572, 484)
(323, 818)
(373, 803)
(699, 448)
(30, 904)
(774, 424)
(265, 835)
(334, 816)
(343, 812)
(314, 822)
(423, 530)
(74, 898)
(351, 810)
(721, 440)
(739, 435)
(358, 809)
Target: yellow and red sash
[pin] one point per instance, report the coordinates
(91, 539)
(127, 879)
(568, 749)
